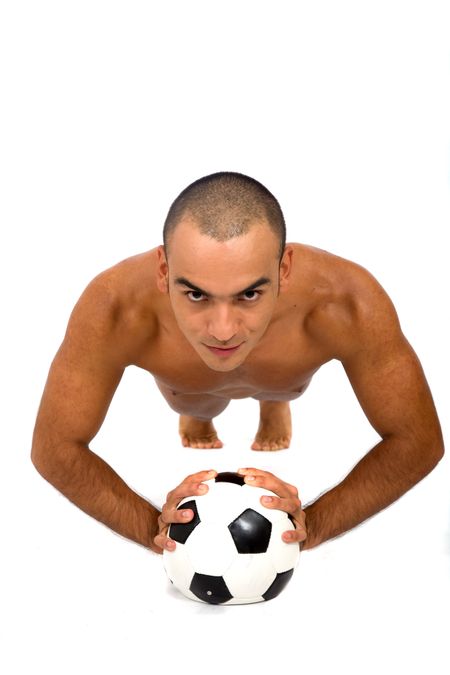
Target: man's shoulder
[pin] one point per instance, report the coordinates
(352, 307)
(120, 299)
(127, 272)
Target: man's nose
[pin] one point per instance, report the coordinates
(223, 324)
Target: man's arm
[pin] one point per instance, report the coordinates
(81, 383)
(389, 382)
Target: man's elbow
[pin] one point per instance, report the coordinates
(434, 453)
(438, 444)
(424, 454)
(47, 461)
(40, 460)
(440, 452)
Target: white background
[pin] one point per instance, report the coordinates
(110, 109)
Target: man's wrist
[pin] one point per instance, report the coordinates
(153, 530)
(312, 540)
(308, 543)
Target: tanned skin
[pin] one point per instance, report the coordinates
(164, 316)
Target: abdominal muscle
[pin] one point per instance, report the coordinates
(209, 404)
(234, 393)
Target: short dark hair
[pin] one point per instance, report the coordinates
(224, 205)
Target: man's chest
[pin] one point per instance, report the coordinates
(279, 368)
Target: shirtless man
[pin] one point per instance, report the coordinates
(228, 310)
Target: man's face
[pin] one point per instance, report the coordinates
(223, 294)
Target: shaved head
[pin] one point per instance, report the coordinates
(225, 205)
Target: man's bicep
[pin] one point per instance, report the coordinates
(82, 379)
(388, 380)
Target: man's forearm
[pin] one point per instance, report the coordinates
(389, 470)
(90, 483)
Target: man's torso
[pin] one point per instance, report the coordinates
(311, 315)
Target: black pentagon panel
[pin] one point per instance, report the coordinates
(230, 477)
(278, 584)
(181, 531)
(251, 532)
(210, 589)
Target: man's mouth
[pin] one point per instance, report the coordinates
(223, 351)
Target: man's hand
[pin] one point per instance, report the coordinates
(190, 486)
(287, 500)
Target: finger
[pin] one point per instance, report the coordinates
(264, 477)
(201, 475)
(194, 479)
(267, 480)
(166, 517)
(191, 485)
(185, 490)
(291, 505)
(287, 500)
(171, 515)
(164, 542)
(253, 471)
(294, 536)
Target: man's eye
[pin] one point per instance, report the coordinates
(196, 293)
(249, 296)
(254, 295)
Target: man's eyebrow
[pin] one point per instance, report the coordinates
(182, 281)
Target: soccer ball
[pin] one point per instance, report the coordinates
(231, 552)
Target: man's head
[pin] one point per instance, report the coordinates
(223, 263)
(224, 205)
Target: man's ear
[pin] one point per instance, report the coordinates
(285, 267)
(162, 280)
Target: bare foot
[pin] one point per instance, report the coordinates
(198, 433)
(275, 426)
